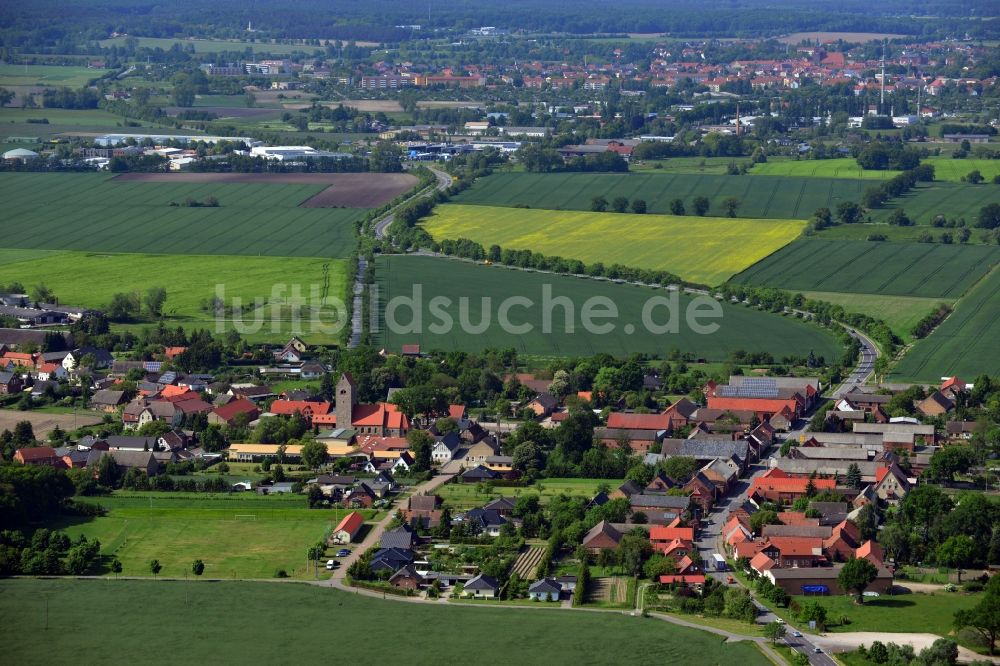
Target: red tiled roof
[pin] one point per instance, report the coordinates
(625, 421)
(761, 562)
(307, 408)
(691, 579)
(351, 523)
(230, 410)
(667, 534)
(37, 453)
(793, 546)
(456, 412)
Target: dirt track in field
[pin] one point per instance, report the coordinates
(347, 190)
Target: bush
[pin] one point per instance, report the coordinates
(281, 573)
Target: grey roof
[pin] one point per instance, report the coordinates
(5, 377)
(106, 397)
(827, 467)
(134, 443)
(14, 337)
(139, 459)
(482, 582)
(822, 531)
(546, 586)
(661, 501)
(500, 504)
(704, 449)
(400, 537)
(391, 558)
(485, 517)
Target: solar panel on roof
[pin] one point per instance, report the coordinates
(752, 387)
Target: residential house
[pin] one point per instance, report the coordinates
(399, 537)
(227, 413)
(891, 485)
(660, 509)
(936, 404)
(484, 521)
(477, 454)
(10, 383)
(106, 400)
(125, 460)
(407, 578)
(445, 448)
(481, 587)
(602, 536)
(545, 589)
(38, 456)
(391, 559)
(702, 491)
(776, 486)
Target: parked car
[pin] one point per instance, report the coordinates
(343, 552)
(330, 564)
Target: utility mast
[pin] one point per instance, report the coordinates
(881, 95)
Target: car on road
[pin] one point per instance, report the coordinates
(797, 634)
(817, 650)
(343, 552)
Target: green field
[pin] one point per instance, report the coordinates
(760, 197)
(90, 280)
(917, 613)
(899, 312)
(467, 495)
(279, 623)
(948, 168)
(704, 250)
(740, 327)
(212, 45)
(842, 167)
(236, 536)
(898, 269)
(945, 168)
(93, 212)
(48, 75)
(953, 200)
(965, 344)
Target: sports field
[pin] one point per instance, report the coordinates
(965, 344)
(91, 279)
(901, 269)
(704, 250)
(241, 536)
(48, 75)
(279, 623)
(96, 212)
(760, 196)
(953, 200)
(739, 327)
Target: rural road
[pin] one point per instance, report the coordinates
(379, 229)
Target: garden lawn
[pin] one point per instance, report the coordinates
(740, 327)
(900, 312)
(90, 280)
(467, 495)
(284, 623)
(965, 344)
(929, 270)
(236, 536)
(93, 212)
(701, 250)
(779, 198)
(904, 613)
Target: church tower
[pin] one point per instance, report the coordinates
(346, 399)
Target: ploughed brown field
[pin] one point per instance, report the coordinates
(347, 190)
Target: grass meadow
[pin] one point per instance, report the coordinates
(778, 198)
(899, 312)
(945, 168)
(965, 344)
(739, 328)
(226, 622)
(51, 76)
(704, 250)
(91, 279)
(843, 167)
(928, 270)
(94, 212)
(917, 613)
(237, 536)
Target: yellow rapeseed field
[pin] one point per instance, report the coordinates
(707, 250)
